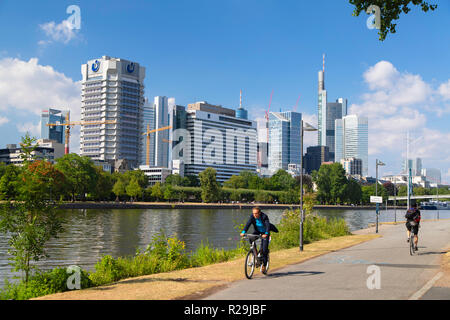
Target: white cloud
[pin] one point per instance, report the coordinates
(3, 120)
(444, 90)
(63, 32)
(398, 102)
(27, 87)
(30, 127)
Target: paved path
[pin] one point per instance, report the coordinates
(344, 274)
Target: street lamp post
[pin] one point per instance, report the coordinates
(305, 127)
(378, 163)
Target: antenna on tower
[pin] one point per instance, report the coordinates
(240, 101)
(323, 63)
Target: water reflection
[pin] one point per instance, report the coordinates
(90, 234)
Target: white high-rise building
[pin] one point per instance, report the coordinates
(352, 140)
(215, 137)
(112, 89)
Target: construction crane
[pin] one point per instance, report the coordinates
(68, 124)
(147, 160)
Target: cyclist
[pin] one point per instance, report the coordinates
(261, 224)
(413, 214)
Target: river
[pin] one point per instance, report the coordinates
(91, 233)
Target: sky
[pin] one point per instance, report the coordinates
(210, 50)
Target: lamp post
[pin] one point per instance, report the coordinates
(305, 127)
(378, 163)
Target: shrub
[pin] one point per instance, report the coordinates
(42, 283)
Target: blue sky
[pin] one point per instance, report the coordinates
(209, 50)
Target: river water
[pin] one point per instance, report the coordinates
(90, 234)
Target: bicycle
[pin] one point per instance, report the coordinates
(412, 249)
(254, 257)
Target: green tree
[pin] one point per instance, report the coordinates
(174, 180)
(235, 182)
(81, 175)
(209, 185)
(282, 181)
(32, 220)
(331, 183)
(133, 189)
(157, 192)
(9, 182)
(119, 189)
(191, 181)
(390, 11)
(354, 192)
(103, 186)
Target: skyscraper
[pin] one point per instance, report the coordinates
(112, 89)
(148, 115)
(314, 157)
(161, 137)
(328, 112)
(351, 139)
(55, 133)
(284, 139)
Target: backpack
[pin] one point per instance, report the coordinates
(411, 214)
(273, 228)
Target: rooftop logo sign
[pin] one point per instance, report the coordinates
(96, 66)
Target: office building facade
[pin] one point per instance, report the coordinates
(53, 116)
(284, 140)
(351, 140)
(112, 90)
(314, 157)
(215, 137)
(352, 166)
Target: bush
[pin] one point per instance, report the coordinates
(41, 284)
(314, 228)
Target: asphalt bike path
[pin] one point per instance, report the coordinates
(380, 269)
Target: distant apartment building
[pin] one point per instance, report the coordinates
(53, 116)
(351, 140)
(432, 175)
(48, 150)
(212, 136)
(352, 166)
(284, 140)
(414, 164)
(112, 90)
(314, 157)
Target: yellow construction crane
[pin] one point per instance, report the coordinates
(147, 159)
(68, 124)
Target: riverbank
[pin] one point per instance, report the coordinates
(199, 205)
(195, 283)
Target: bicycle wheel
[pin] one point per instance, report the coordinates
(250, 262)
(411, 244)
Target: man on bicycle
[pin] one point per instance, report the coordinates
(261, 224)
(412, 223)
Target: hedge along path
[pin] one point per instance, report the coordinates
(195, 283)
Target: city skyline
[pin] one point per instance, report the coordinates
(399, 88)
